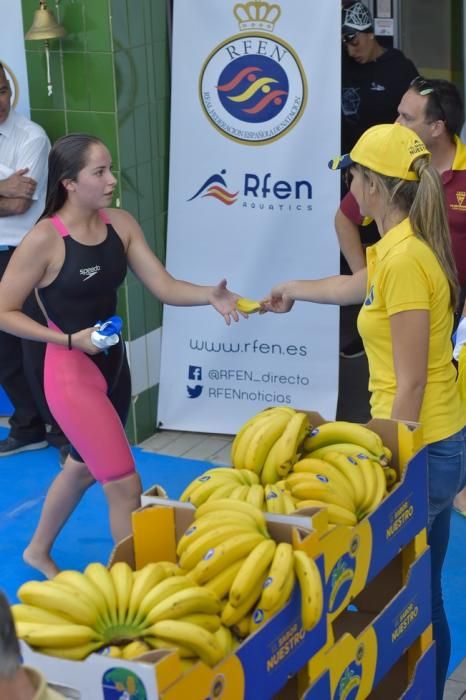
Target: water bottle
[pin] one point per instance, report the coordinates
(107, 333)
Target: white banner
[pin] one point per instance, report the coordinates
(255, 120)
(13, 55)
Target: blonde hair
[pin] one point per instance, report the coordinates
(424, 203)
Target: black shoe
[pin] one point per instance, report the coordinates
(354, 349)
(11, 446)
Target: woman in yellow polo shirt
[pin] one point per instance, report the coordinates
(408, 293)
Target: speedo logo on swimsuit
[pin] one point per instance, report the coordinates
(88, 272)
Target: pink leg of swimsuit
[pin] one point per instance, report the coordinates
(76, 392)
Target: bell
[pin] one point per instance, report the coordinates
(44, 26)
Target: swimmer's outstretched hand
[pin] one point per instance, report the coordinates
(81, 340)
(278, 301)
(224, 302)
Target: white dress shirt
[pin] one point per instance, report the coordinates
(23, 144)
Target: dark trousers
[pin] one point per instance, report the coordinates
(446, 462)
(21, 375)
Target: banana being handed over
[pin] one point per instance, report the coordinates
(247, 306)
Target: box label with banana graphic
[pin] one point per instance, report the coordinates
(355, 665)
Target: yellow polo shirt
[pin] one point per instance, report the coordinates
(403, 274)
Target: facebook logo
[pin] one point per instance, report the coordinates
(195, 373)
(194, 392)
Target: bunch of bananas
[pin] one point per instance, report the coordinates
(270, 442)
(156, 607)
(347, 438)
(343, 469)
(240, 485)
(223, 482)
(230, 578)
(228, 550)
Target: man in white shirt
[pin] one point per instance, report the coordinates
(24, 149)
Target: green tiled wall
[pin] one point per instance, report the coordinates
(110, 78)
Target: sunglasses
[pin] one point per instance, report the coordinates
(425, 88)
(350, 39)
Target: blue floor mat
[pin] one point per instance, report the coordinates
(24, 480)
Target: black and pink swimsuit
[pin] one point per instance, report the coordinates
(89, 395)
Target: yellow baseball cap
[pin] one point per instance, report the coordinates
(388, 149)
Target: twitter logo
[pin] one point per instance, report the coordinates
(194, 392)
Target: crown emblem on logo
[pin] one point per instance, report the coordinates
(257, 14)
(460, 197)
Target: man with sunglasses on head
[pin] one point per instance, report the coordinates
(434, 110)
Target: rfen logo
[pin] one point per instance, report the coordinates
(216, 187)
(259, 191)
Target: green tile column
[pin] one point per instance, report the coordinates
(110, 78)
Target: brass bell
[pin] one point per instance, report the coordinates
(44, 25)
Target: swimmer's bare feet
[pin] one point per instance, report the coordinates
(41, 562)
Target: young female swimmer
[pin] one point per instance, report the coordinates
(76, 257)
(408, 294)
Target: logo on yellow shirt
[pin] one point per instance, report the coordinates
(460, 199)
(370, 296)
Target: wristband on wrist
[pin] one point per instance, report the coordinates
(70, 346)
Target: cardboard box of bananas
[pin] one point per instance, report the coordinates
(282, 465)
(230, 577)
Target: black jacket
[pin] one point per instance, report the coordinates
(371, 93)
